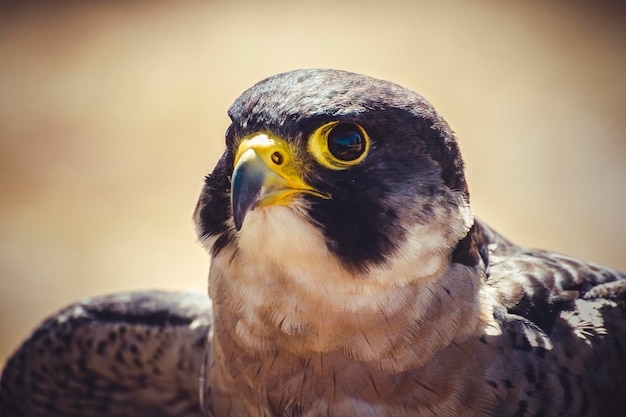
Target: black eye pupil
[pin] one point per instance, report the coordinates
(345, 142)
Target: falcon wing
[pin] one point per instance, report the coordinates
(539, 285)
(565, 324)
(129, 354)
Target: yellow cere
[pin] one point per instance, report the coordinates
(283, 175)
(265, 145)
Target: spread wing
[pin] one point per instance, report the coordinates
(130, 354)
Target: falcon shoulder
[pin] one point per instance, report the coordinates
(129, 354)
(563, 331)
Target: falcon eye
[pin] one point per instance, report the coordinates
(338, 145)
(345, 142)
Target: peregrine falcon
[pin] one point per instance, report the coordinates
(348, 277)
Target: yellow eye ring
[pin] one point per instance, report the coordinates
(338, 145)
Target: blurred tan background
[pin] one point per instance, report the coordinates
(111, 113)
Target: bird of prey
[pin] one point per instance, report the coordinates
(349, 277)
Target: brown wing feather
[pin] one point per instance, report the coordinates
(133, 354)
(538, 284)
(564, 331)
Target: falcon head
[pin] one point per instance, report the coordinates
(336, 197)
(363, 164)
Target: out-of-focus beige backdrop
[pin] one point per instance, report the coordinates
(111, 113)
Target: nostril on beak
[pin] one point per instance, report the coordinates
(277, 158)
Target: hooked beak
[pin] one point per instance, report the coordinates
(265, 174)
